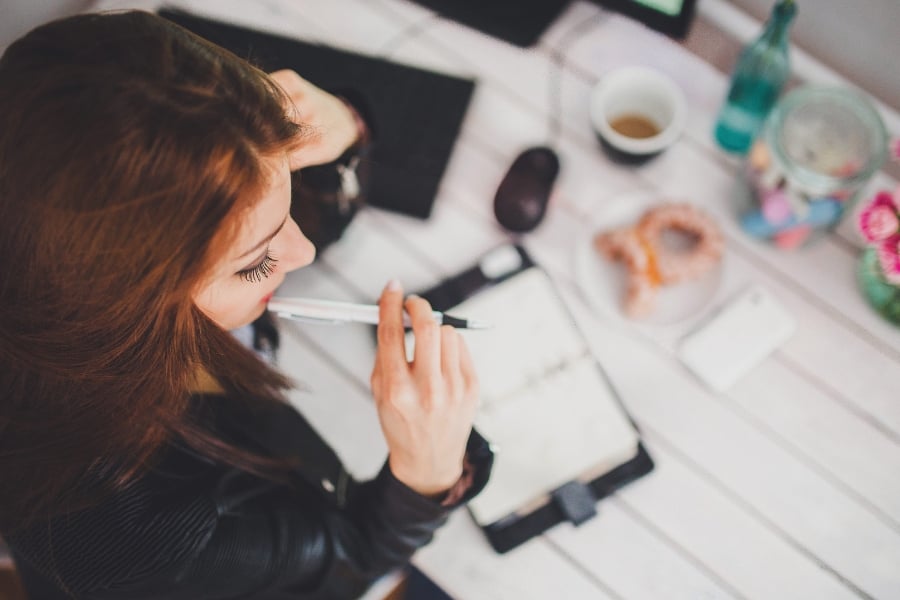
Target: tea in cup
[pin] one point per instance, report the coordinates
(637, 113)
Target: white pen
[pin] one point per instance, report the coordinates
(334, 312)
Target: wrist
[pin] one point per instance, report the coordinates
(361, 135)
(428, 484)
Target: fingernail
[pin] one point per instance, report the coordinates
(392, 286)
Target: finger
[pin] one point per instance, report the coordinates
(282, 75)
(450, 359)
(375, 377)
(467, 368)
(391, 347)
(291, 82)
(427, 353)
(294, 93)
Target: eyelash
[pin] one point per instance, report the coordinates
(259, 272)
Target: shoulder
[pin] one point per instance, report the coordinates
(150, 526)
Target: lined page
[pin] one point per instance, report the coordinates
(545, 406)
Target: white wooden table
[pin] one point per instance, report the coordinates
(787, 486)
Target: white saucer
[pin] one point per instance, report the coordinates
(603, 282)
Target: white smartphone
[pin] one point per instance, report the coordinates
(736, 338)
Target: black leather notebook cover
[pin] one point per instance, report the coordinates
(417, 114)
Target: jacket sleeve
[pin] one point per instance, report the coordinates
(269, 542)
(277, 543)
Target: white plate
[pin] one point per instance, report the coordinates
(603, 282)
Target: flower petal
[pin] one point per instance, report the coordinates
(889, 258)
(878, 220)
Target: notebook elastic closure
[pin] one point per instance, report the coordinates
(576, 501)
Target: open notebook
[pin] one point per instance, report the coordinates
(546, 406)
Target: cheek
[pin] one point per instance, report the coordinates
(230, 303)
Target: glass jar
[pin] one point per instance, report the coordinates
(881, 294)
(819, 146)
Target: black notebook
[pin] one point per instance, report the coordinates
(416, 113)
(561, 438)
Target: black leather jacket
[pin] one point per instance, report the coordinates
(192, 528)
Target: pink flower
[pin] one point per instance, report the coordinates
(889, 257)
(878, 221)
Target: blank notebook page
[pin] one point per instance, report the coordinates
(545, 405)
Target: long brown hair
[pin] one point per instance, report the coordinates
(127, 147)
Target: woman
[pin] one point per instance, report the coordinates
(144, 212)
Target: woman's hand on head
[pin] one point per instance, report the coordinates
(426, 407)
(333, 123)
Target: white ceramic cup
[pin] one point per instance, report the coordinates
(637, 91)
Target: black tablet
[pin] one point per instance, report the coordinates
(521, 22)
(672, 17)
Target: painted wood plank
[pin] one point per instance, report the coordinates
(826, 433)
(771, 481)
(334, 405)
(368, 258)
(401, 10)
(633, 561)
(350, 24)
(462, 563)
(725, 537)
(354, 344)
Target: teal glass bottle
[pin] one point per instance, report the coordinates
(762, 70)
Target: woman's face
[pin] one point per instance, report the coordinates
(268, 245)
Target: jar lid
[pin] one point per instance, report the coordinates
(827, 138)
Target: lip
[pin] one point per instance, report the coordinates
(267, 297)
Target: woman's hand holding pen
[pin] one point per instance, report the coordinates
(426, 407)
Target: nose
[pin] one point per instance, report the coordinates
(297, 250)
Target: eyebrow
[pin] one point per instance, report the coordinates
(264, 241)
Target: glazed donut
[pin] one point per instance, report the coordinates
(624, 246)
(674, 266)
(650, 263)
